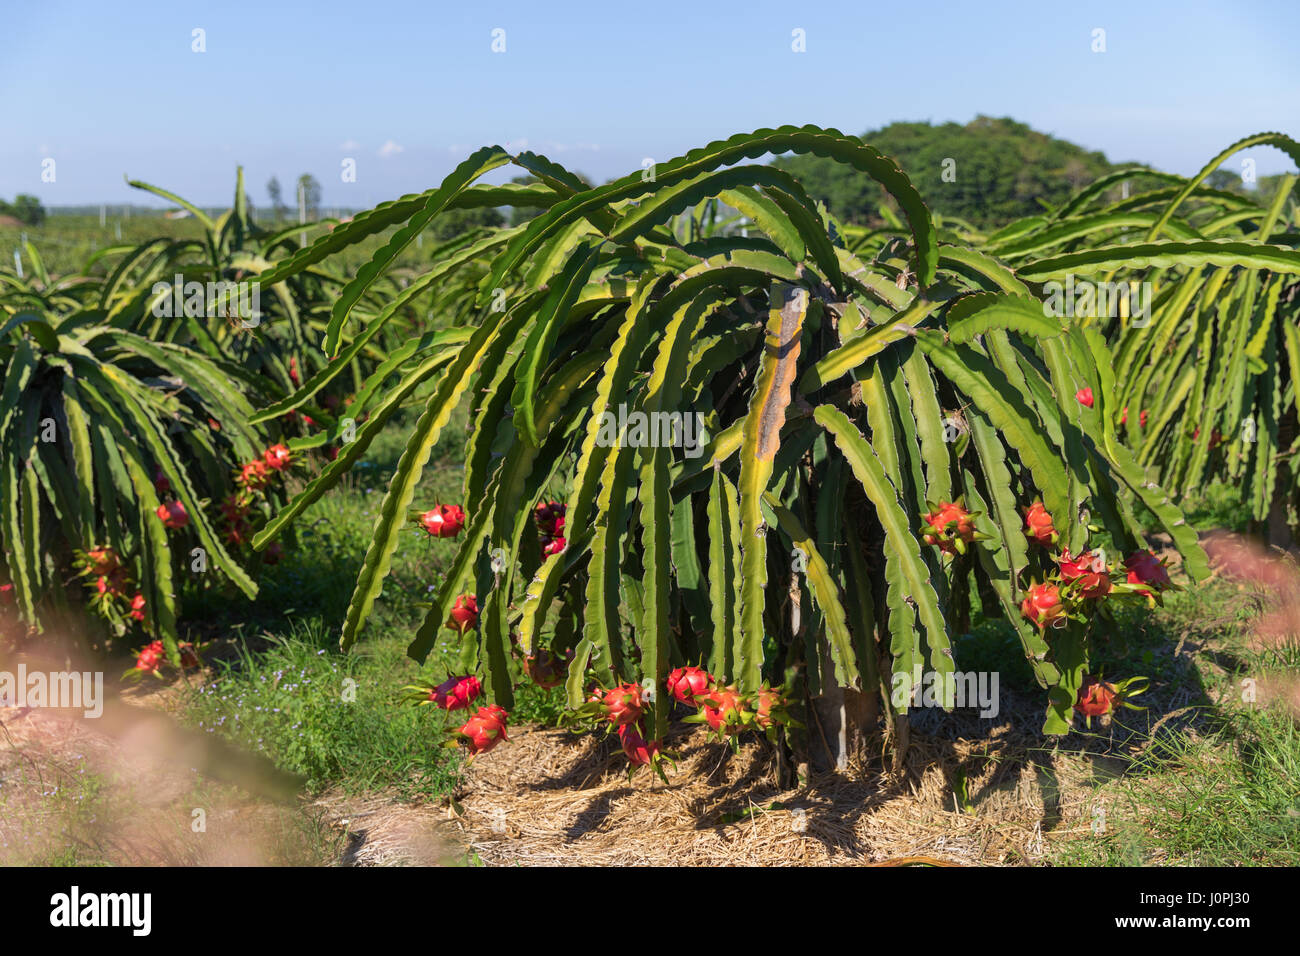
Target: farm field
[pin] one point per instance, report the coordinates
(751, 466)
(373, 791)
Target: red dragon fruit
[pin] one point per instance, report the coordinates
(623, 704)
(545, 668)
(464, 613)
(172, 514)
(950, 527)
(549, 516)
(1099, 699)
(1038, 525)
(686, 683)
(1084, 397)
(150, 658)
(1087, 572)
(1144, 568)
(723, 710)
(1042, 605)
(456, 693)
(640, 752)
(277, 457)
(254, 474)
(444, 521)
(102, 561)
(485, 729)
(770, 708)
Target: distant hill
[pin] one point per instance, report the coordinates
(999, 171)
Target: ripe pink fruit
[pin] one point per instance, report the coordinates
(549, 516)
(444, 521)
(1042, 605)
(277, 457)
(455, 693)
(7, 596)
(254, 474)
(553, 545)
(769, 708)
(1089, 571)
(464, 613)
(189, 656)
(946, 525)
(1084, 396)
(1038, 525)
(1145, 568)
(1096, 699)
(137, 607)
(639, 751)
(173, 515)
(160, 483)
(545, 669)
(150, 657)
(623, 704)
(485, 729)
(685, 683)
(722, 708)
(102, 561)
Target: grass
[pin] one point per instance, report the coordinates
(287, 692)
(1222, 787)
(1215, 790)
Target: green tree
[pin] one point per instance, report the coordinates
(310, 190)
(987, 172)
(26, 208)
(278, 208)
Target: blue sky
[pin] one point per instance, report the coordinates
(409, 88)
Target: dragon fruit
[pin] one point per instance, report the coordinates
(1087, 572)
(456, 693)
(173, 515)
(150, 658)
(640, 752)
(950, 527)
(485, 729)
(1144, 568)
(1038, 525)
(723, 709)
(444, 521)
(464, 613)
(545, 668)
(1042, 605)
(623, 704)
(687, 683)
(277, 457)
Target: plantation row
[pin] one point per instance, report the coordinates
(898, 422)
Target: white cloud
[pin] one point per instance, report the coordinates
(390, 148)
(349, 145)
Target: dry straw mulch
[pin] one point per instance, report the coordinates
(549, 797)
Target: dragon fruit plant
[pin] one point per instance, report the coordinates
(878, 419)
